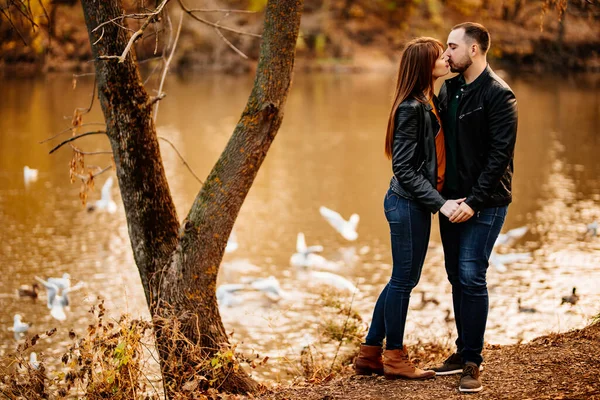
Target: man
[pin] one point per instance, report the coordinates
(479, 113)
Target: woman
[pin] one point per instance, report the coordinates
(415, 144)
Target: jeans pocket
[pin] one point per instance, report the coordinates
(391, 202)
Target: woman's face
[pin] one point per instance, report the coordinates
(441, 67)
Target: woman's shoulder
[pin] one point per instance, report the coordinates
(410, 105)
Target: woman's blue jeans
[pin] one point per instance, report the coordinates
(467, 249)
(410, 226)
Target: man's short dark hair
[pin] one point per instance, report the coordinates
(476, 32)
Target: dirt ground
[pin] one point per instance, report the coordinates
(557, 366)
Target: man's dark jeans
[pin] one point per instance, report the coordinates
(467, 249)
(410, 226)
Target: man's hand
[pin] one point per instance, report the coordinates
(450, 207)
(462, 214)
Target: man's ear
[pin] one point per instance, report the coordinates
(474, 49)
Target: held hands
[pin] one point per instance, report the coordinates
(451, 206)
(457, 210)
(462, 214)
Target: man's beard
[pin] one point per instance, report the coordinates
(461, 67)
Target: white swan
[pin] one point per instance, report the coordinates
(106, 203)
(29, 175)
(232, 243)
(226, 294)
(19, 327)
(334, 280)
(510, 237)
(58, 298)
(305, 256)
(346, 228)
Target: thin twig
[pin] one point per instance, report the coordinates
(226, 40)
(87, 110)
(231, 44)
(215, 10)
(204, 21)
(88, 153)
(166, 68)
(85, 74)
(71, 139)
(343, 333)
(137, 34)
(99, 39)
(86, 178)
(49, 25)
(69, 129)
(181, 158)
(29, 17)
(13, 26)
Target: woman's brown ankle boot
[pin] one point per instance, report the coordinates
(369, 360)
(396, 365)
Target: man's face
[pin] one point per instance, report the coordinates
(458, 51)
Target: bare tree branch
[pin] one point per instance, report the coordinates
(13, 26)
(69, 129)
(220, 10)
(136, 35)
(181, 158)
(231, 44)
(214, 25)
(71, 139)
(87, 153)
(86, 178)
(166, 68)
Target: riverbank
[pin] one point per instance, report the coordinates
(346, 36)
(556, 366)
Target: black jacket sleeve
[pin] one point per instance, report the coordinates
(502, 128)
(404, 150)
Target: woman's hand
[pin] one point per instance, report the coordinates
(450, 206)
(462, 214)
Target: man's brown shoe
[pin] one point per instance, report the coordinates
(452, 365)
(369, 360)
(397, 365)
(469, 380)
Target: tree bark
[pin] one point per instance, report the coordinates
(178, 265)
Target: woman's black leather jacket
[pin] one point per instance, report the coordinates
(414, 160)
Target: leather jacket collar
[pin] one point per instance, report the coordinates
(454, 82)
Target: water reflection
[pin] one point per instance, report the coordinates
(329, 152)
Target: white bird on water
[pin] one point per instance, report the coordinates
(346, 228)
(232, 243)
(331, 279)
(269, 286)
(226, 296)
(61, 283)
(33, 361)
(58, 298)
(106, 203)
(29, 175)
(510, 237)
(305, 255)
(19, 327)
(499, 261)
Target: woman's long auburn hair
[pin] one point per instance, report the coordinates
(415, 78)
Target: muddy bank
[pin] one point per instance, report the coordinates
(557, 366)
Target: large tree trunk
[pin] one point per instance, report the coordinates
(179, 265)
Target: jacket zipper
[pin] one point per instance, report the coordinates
(470, 112)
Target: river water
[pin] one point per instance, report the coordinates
(328, 152)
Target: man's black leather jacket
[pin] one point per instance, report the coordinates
(486, 131)
(414, 160)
